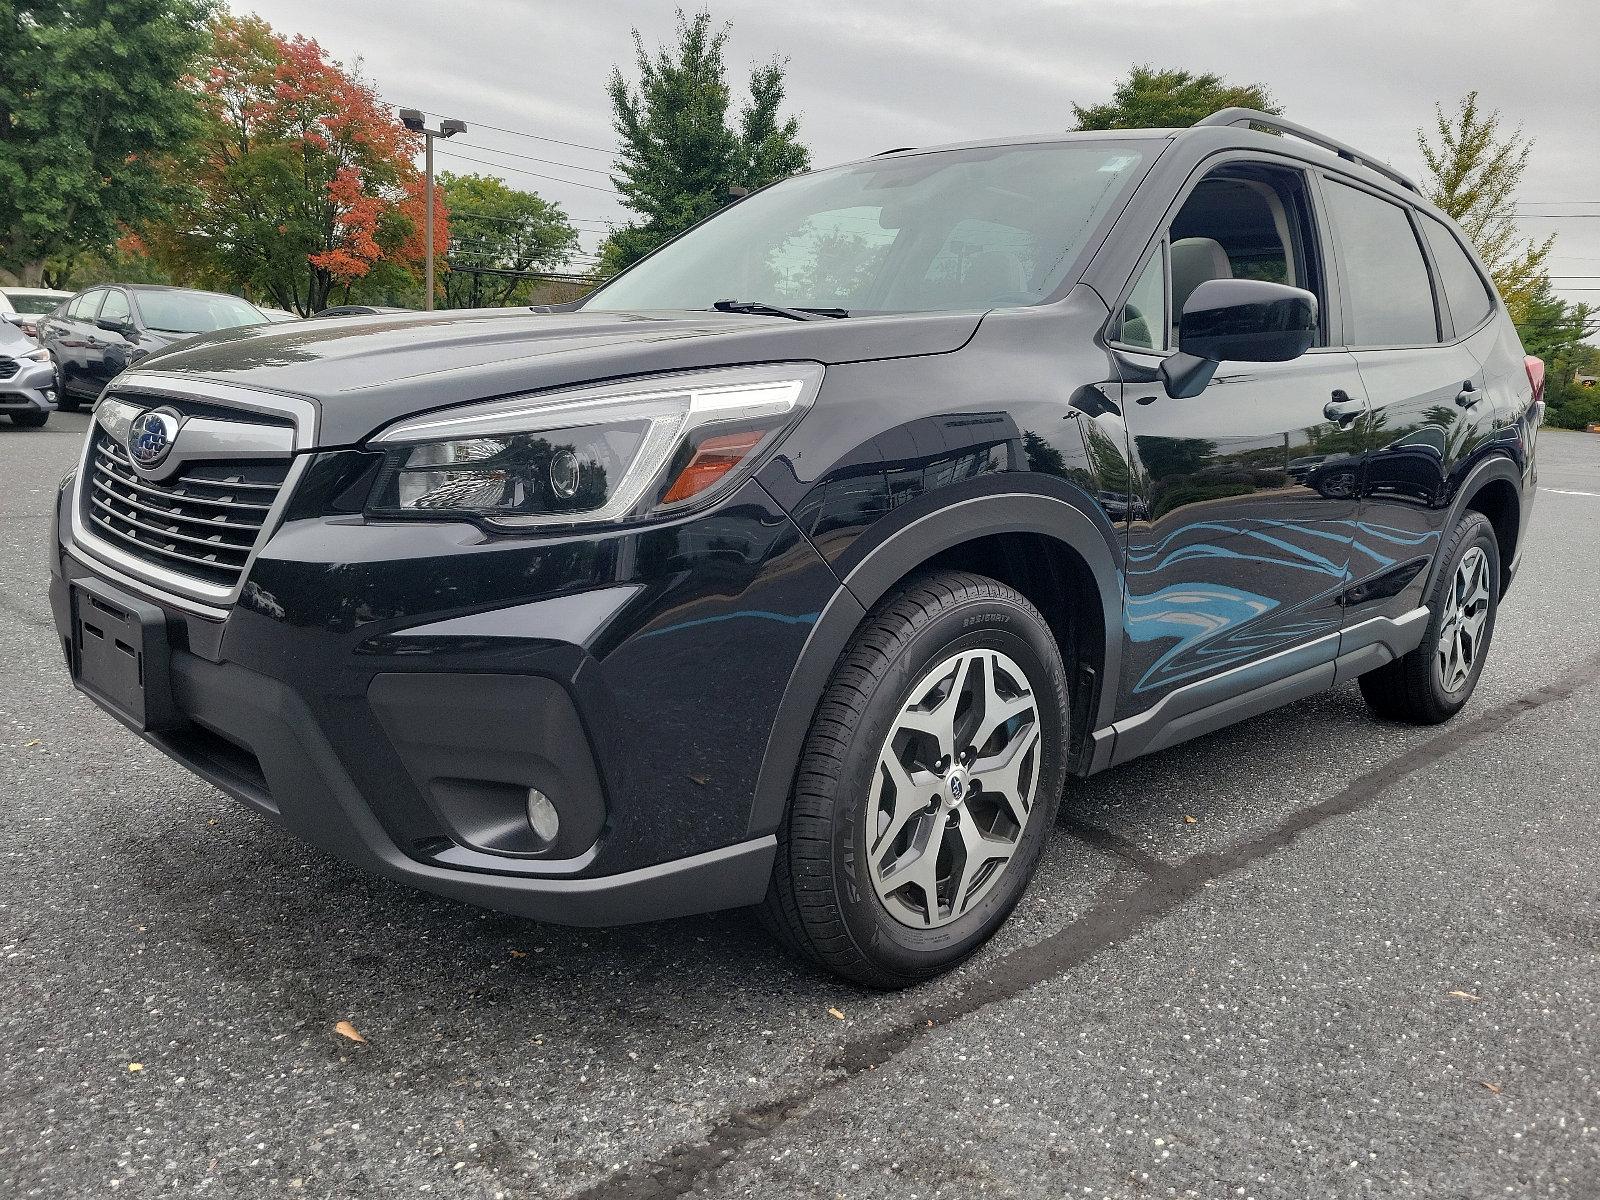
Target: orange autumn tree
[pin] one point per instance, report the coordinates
(305, 181)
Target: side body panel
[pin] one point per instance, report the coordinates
(1239, 546)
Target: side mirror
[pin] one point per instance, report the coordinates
(1238, 320)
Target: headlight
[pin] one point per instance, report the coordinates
(613, 452)
(39, 355)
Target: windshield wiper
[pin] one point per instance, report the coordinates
(762, 308)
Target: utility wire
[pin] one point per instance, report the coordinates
(524, 171)
(535, 136)
(549, 162)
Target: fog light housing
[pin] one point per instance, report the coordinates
(542, 816)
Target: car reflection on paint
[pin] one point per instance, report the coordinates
(1411, 467)
(1120, 506)
(1336, 479)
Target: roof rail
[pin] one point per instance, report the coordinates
(1249, 118)
(894, 150)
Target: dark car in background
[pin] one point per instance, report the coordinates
(27, 382)
(806, 563)
(104, 330)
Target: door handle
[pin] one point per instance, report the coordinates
(1468, 395)
(1342, 409)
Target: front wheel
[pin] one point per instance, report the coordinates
(65, 401)
(33, 418)
(1433, 682)
(928, 784)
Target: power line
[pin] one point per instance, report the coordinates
(535, 136)
(551, 162)
(524, 171)
(579, 223)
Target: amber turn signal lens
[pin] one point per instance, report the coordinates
(713, 458)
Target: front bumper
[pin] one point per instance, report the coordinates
(31, 389)
(390, 694)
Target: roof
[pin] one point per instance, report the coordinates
(1249, 125)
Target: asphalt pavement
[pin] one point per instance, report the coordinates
(1314, 955)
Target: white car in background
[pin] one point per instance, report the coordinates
(23, 307)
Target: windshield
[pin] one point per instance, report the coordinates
(958, 229)
(195, 312)
(36, 306)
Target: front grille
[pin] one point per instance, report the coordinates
(9, 367)
(202, 522)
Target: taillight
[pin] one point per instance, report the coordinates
(1535, 367)
(1535, 376)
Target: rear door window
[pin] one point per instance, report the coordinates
(1464, 289)
(1385, 277)
(86, 305)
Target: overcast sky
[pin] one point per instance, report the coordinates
(866, 75)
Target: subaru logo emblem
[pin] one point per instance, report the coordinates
(956, 788)
(151, 435)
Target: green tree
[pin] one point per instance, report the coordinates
(679, 156)
(1472, 173)
(1170, 99)
(304, 183)
(1555, 331)
(497, 228)
(89, 103)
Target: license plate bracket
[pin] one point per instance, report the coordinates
(121, 656)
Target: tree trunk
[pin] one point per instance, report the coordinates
(29, 274)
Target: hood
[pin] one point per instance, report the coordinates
(366, 372)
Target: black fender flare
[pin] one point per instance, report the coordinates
(1495, 465)
(916, 537)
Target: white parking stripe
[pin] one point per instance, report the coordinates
(1565, 492)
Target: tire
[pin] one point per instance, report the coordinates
(1426, 687)
(845, 890)
(65, 400)
(34, 419)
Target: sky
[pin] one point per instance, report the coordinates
(867, 75)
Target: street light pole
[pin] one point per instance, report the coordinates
(411, 118)
(427, 221)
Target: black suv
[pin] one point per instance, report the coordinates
(804, 563)
(103, 330)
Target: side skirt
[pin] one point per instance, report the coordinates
(1258, 687)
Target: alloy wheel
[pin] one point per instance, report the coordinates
(953, 789)
(1466, 613)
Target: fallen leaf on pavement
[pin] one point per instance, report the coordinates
(1492, 1087)
(834, 1012)
(1464, 996)
(34, 742)
(135, 1066)
(1188, 820)
(519, 954)
(346, 1030)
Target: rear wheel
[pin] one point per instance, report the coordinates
(927, 786)
(31, 419)
(1432, 683)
